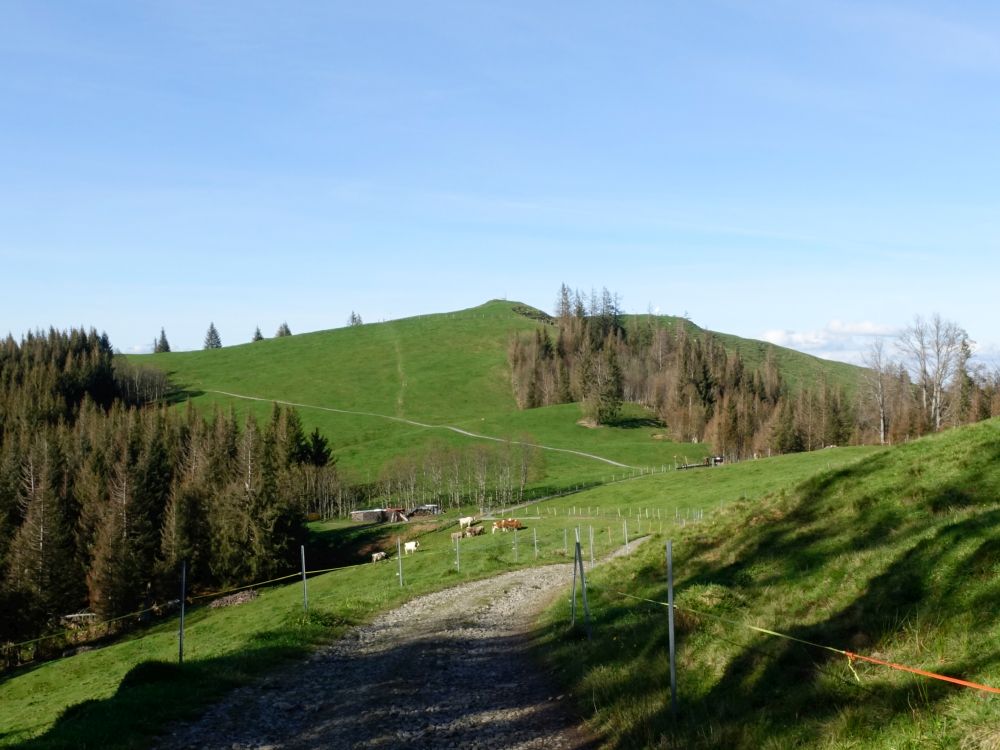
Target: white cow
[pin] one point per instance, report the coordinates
(376, 556)
(409, 547)
(464, 523)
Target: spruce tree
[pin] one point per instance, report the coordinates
(257, 335)
(283, 330)
(161, 343)
(212, 340)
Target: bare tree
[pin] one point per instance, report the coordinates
(878, 380)
(935, 352)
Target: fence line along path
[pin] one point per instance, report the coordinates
(445, 670)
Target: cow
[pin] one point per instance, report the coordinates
(376, 556)
(506, 523)
(465, 522)
(409, 547)
(456, 535)
(474, 531)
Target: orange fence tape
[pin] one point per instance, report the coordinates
(851, 656)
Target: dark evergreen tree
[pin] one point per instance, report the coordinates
(318, 451)
(257, 335)
(161, 343)
(212, 340)
(283, 330)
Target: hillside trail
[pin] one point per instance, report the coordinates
(415, 423)
(446, 670)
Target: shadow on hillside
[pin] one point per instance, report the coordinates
(930, 561)
(379, 697)
(634, 423)
(155, 693)
(181, 395)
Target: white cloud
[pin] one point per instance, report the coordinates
(839, 340)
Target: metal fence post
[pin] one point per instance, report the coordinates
(534, 535)
(670, 625)
(572, 607)
(583, 588)
(180, 632)
(305, 588)
(399, 556)
(458, 555)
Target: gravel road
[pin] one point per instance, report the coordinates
(446, 670)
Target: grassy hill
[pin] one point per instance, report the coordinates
(444, 369)
(118, 695)
(896, 556)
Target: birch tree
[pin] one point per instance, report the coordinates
(934, 352)
(878, 380)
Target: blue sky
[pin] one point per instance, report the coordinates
(808, 172)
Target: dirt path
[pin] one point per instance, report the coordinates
(459, 430)
(446, 670)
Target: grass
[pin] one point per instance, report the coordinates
(111, 697)
(445, 369)
(894, 555)
(120, 695)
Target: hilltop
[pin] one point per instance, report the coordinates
(440, 369)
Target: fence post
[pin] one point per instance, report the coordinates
(591, 547)
(305, 588)
(515, 546)
(572, 606)
(565, 542)
(458, 555)
(583, 587)
(180, 632)
(670, 625)
(399, 556)
(534, 536)
(625, 534)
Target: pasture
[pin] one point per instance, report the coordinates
(74, 701)
(892, 555)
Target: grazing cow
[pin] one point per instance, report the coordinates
(376, 556)
(456, 535)
(474, 531)
(465, 522)
(409, 547)
(507, 523)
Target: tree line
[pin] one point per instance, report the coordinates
(486, 475)
(214, 341)
(101, 496)
(703, 393)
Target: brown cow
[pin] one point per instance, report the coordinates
(507, 523)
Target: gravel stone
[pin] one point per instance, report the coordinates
(445, 670)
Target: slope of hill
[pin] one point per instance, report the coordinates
(443, 369)
(113, 696)
(895, 556)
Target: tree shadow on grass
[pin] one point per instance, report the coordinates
(380, 696)
(932, 560)
(154, 693)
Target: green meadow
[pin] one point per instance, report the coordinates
(889, 552)
(448, 369)
(894, 555)
(112, 697)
